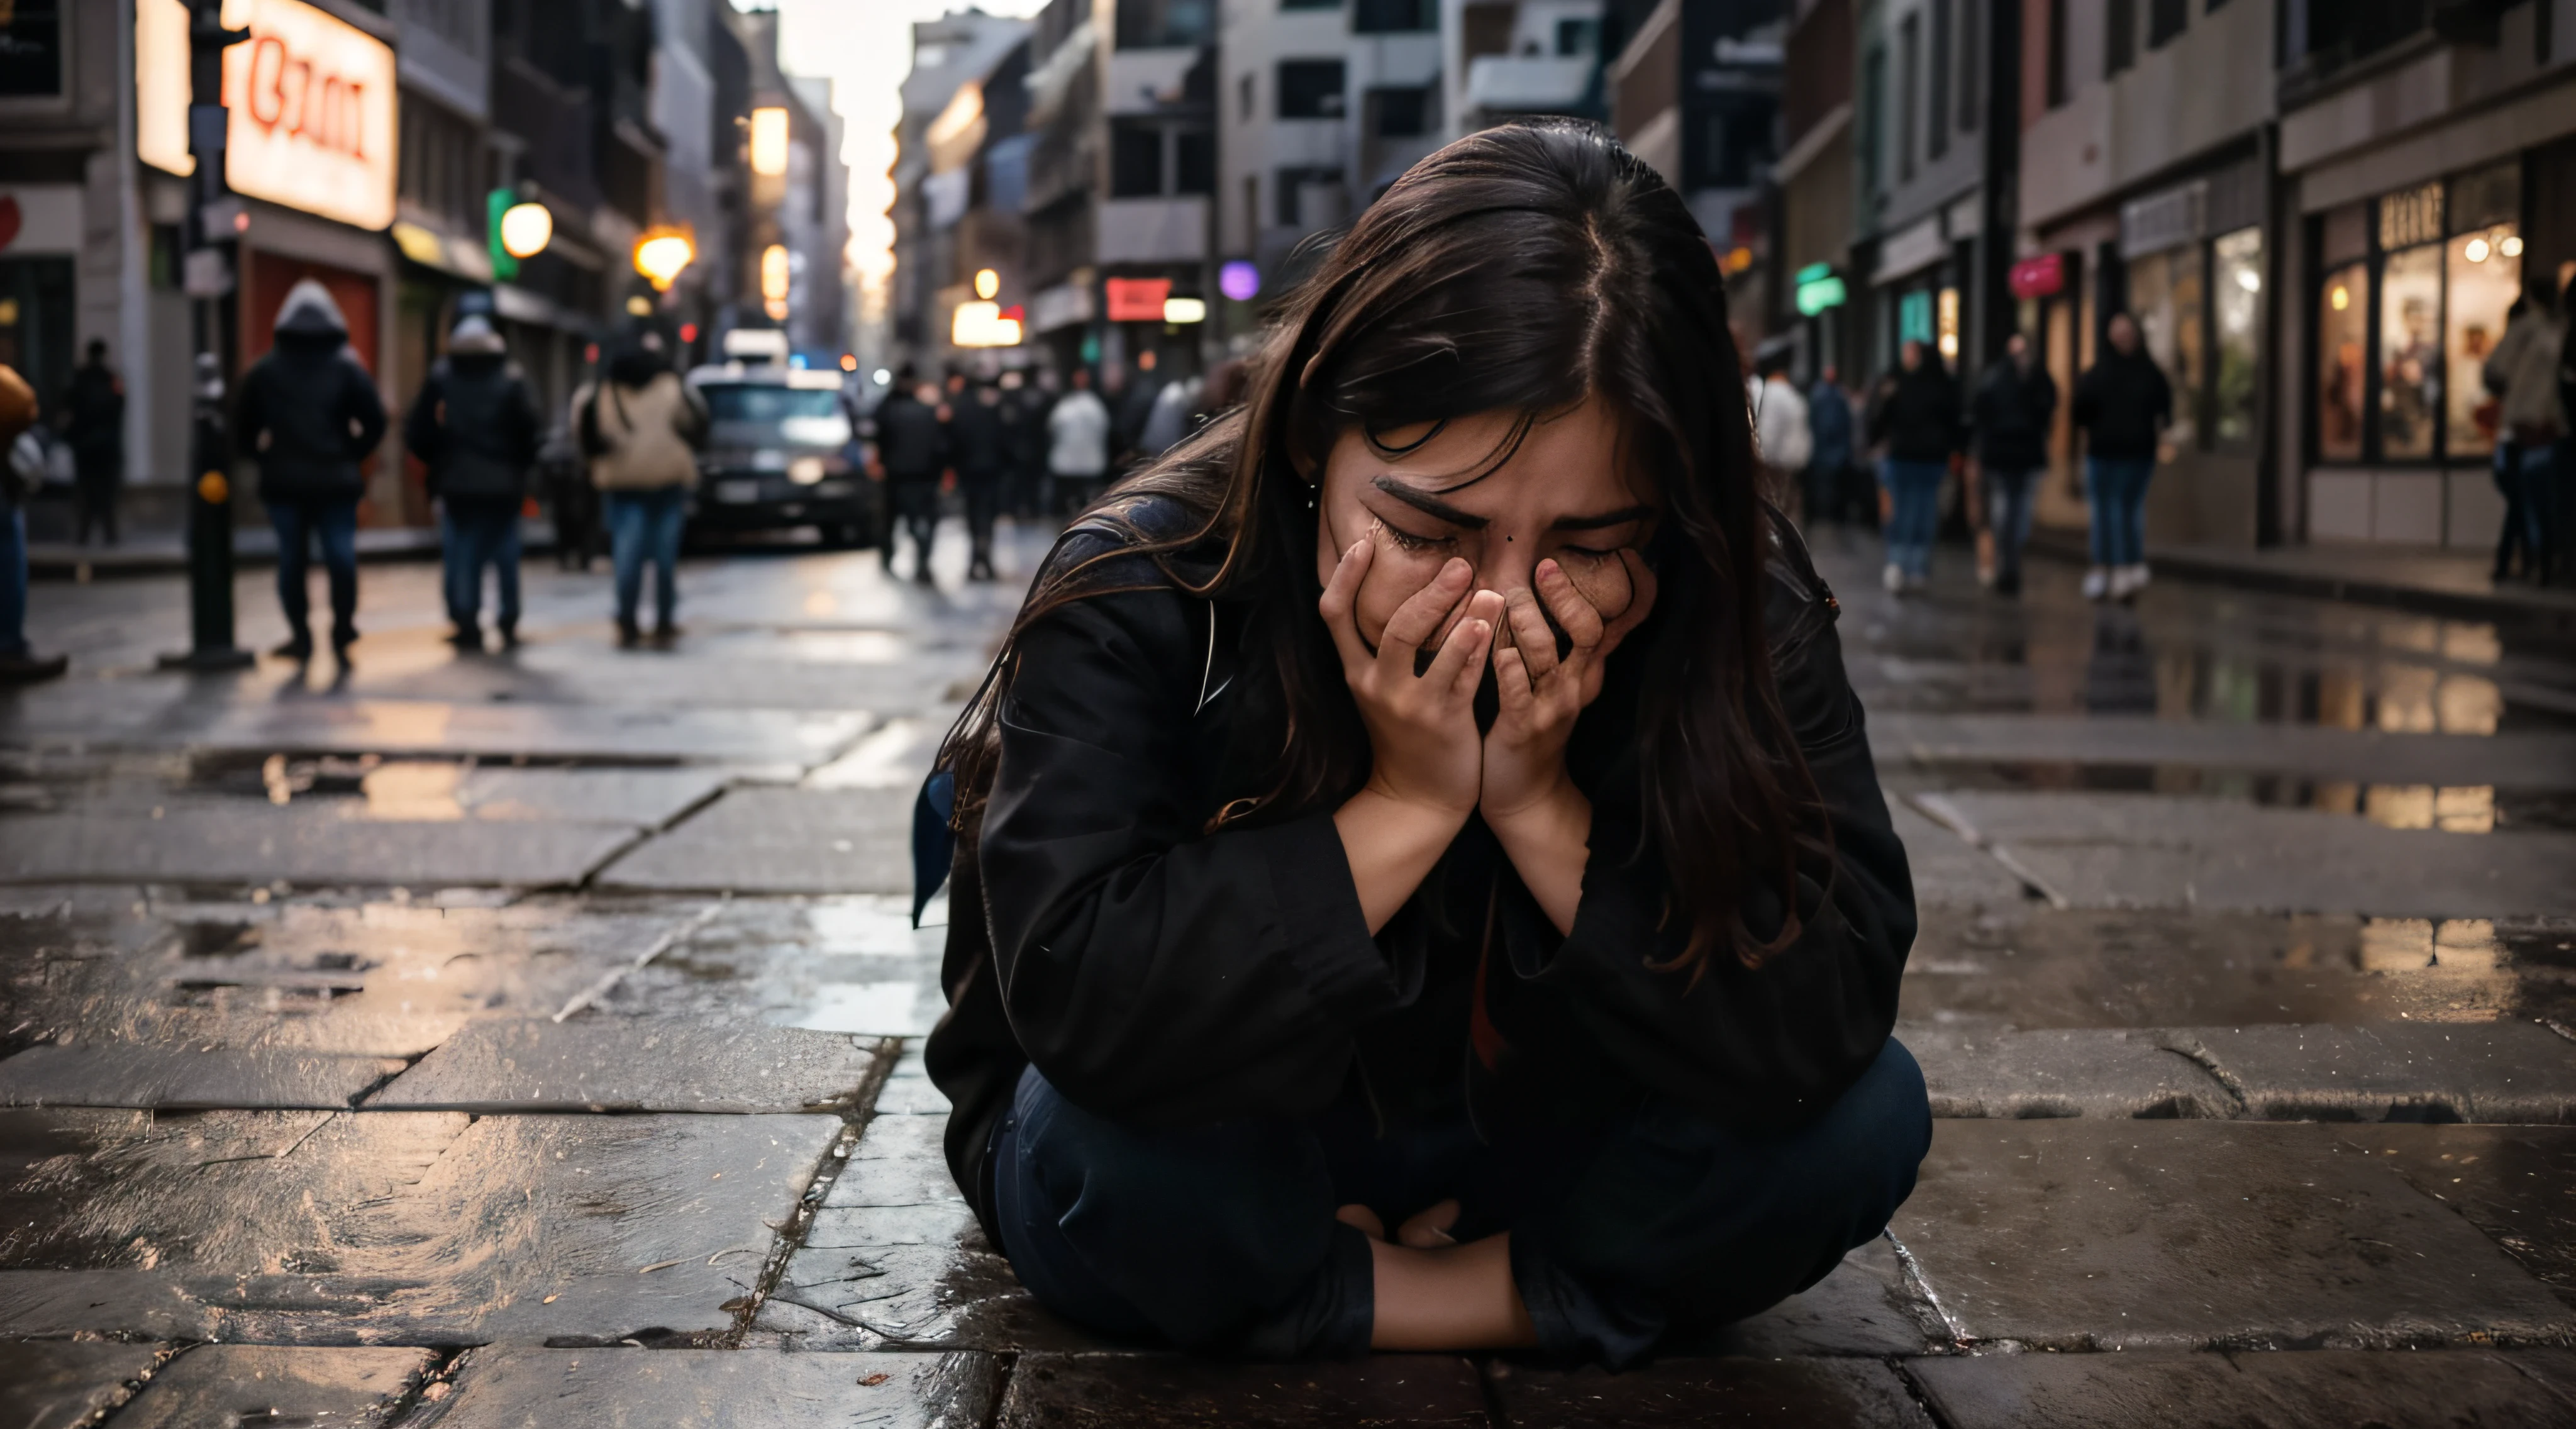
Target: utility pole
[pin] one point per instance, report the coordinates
(212, 228)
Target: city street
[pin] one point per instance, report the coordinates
(534, 1036)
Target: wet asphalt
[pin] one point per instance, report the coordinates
(477, 1039)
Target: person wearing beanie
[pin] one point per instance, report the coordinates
(475, 427)
(641, 427)
(308, 415)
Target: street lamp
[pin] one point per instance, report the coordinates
(526, 229)
(660, 255)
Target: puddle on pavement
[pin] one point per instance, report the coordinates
(852, 965)
(2036, 966)
(2458, 809)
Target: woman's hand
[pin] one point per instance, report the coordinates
(1421, 728)
(1424, 758)
(1542, 821)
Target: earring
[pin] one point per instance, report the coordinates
(1310, 498)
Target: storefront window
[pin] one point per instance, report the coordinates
(2486, 276)
(2188, 366)
(2410, 353)
(2237, 297)
(2343, 327)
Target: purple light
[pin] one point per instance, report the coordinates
(1239, 280)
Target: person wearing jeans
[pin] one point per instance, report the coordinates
(2124, 405)
(309, 413)
(641, 427)
(18, 664)
(1915, 415)
(331, 523)
(2011, 417)
(481, 531)
(475, 427)
(645, 526)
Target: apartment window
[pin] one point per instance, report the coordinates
(2236, 303)
(1136, 161)
(1291, 202)
(1971, 63)
(1937, 140)
(1577, 37)
(2119, 36)
(1165, 24)
(1310, 89)
(1738, 140)
(1243, 96)
(1401, 113)
(2166, 19)
(1909, 75)
(1394, 17)
(1873, 117)
(31, 49)
(1194, 162)
(2057, 54)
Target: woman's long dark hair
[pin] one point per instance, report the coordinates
(1524, 268)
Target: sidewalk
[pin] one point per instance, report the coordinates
(2451, 584)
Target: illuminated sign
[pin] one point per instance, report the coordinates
(1819, 289)
(312, 99)
(1137, 300)
(2039, 276)
(981, 324)
(769, 142)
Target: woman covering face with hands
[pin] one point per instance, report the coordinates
(1430, 799)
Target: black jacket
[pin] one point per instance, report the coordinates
(2011, 415)
(320, 413)
(1169, 976)
(910, 440)
(2123, 405)
(94, 416)
(978, 445)
(475, 426)
(1917, 414)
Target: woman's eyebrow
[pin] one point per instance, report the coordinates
(1429, 505)
(1620, 517)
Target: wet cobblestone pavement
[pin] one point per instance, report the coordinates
(534, 1037)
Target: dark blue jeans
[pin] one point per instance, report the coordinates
(13, 582)
(2008, 516)
(481, 531)
(1220, 1239)
(333, 524)
(1914, 491)
(2117, 487)
(642, 526)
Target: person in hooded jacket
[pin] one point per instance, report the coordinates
(642, 427)
(475, 426)
(2010, 416)
(309, 414)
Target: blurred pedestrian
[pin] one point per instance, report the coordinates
(25, 475)
(642, 426)
(2124, 405)
(475, 426)
(912, 450)
(1223, 391)
(1829, 459)
(979, 451)
(1780, 425)
(1078, 444)
(2523, 372)
(1169, 421)
(1023, 443)
(2010, 417)
(93, 426)
(1131, 406)
(309, 414)
(1915, 417)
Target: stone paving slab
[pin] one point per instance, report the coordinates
(1112, 1391)
(1686, 1393)
(615, 1064)
(1865, 1307)
(762, 840)
(266, 1384)
(2520, 759)
(2097, 1072)
(2392, 1071)
(366, 1227)
(1948, 870)
(830, 964)
(120, 1074)
(715, 1389)
(2516, 1183)
(2324, 1389)
(303, 843)
(2138, 1235)
(2151, 850)
(61, 1384)
(747, 736)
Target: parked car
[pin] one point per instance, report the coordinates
(779, 455)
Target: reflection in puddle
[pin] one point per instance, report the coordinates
(884, 1009)
(847, 647)
(2456, 809)
(415, 790)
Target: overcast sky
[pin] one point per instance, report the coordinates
(866, 45)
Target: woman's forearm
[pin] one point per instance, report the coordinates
(1549, 842)
(1392, 844)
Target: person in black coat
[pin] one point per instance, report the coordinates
(2124, 405)
(475, 426)
(94, 428)
(979, 448)
(912, 451)
(2014, 404)
(1914, 416)
(1296, 1008)
(308, 413)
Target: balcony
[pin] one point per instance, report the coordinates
(1153, 230)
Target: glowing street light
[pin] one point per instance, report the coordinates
(769, 142)
(1184, 310)
(987, 283)
(526, 229)
(981, 324)
(660, 256)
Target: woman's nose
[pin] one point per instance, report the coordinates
(1507, 565)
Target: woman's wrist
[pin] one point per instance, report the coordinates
(1549, 844)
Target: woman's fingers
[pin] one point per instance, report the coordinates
(1417, 619)
(1364, 1219)
(1532, 640)
(1641, 601)
(1429, 1229)
(1461, 661)
(1574, 614)
(1340, 601)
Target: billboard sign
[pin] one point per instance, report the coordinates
(312, 122)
